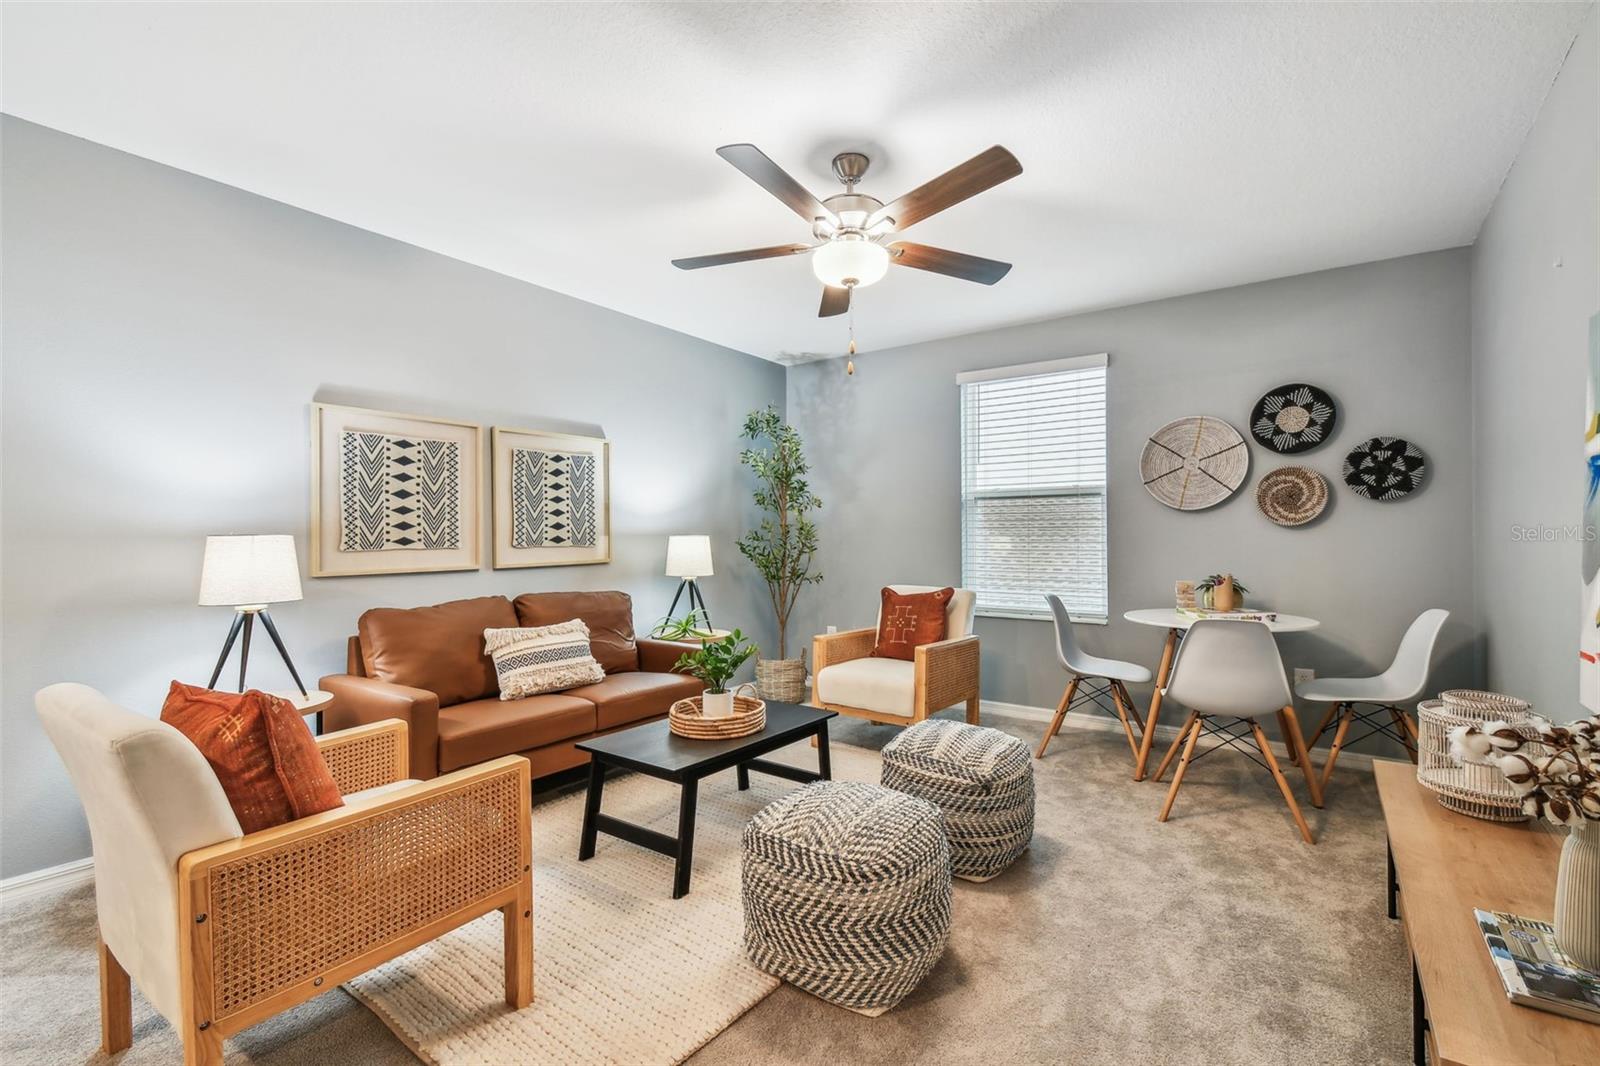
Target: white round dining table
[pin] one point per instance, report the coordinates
(1175, 622)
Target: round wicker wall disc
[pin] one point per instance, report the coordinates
(1194, 463)
(1384, 468)
(1293, 418)
(1292, 495)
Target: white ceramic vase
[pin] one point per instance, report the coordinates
(717, 704)
(1578, 896)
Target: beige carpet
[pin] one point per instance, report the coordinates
(1215, 938)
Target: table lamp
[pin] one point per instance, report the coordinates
(247, 573)
(689, 557)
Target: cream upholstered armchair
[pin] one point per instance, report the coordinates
(221, 930)
(848, 679)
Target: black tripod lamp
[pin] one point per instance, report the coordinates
(689, 557)
(247, 573)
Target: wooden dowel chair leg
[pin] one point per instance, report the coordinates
(1327, 720)
(972, 711)
(116, 1004)
(1163, 672)
(1283, 727)
(518, 921)
(1296, 743)
(1176, 743)
(1408, 731)
(1338, 746)
(1127, 727)
(1193, 730)
(1133, 708)
(1283, 783)
(202, 1047)
(1061, 715)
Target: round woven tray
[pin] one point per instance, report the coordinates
(687, 718)
(1194, 462)
(1292, 495)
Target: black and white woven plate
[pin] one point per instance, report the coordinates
(1293, 418)
(1384, 468)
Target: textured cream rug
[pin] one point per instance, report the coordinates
(623, 973)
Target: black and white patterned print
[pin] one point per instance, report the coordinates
(1384, 468)
(1293, 418)
(553, 499)
(398, 492)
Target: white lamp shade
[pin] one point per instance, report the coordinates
(243, 570)
(689, 556)
(848, 261)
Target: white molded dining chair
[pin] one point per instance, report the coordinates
(1093, 678)
(1378, 697)
(1229, 674)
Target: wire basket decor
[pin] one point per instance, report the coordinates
(1467, 788)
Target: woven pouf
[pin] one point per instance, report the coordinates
(847, 892)
(982, 779)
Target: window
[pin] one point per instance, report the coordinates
(1033, 487)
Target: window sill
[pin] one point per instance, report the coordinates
(1030, 616)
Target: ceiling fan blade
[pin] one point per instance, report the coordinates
(834, 302)
(955, 264)
(983, 171)
(754, 164)
(776, 250)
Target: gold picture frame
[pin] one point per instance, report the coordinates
(415, 488)
(571, 470)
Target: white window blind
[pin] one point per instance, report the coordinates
(1033, 487)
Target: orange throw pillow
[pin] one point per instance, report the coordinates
(261, 751)
(908, 619)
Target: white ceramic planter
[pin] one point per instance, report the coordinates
(1578, 896)
(717, 704)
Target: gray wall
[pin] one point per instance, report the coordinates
(1530, 323)
(163, 336)
(1389, 340)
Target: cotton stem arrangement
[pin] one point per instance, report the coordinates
(1556, 769)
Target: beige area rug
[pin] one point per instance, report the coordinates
(623, 973)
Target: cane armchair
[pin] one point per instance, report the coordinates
(221, 929)
(847, 679)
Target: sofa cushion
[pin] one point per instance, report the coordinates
(536, 659)
(887, 686)
(635, 696)
(480, 730)
(438, 648)
(609, 616)
(907, 620)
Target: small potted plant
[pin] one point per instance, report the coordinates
(1557, 771)
(692, 626)
(1221, 592)
(715, 663)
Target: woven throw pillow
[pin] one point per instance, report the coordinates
(539, 659)
(907, 619)
(259, 747)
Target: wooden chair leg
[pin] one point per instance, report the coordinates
(1061, 714)
(1127, 726)
(1283, 727)
(1338, 745)
(518, 921)
(116, 1004)
(1176, 743)
(1408, 731)
(1162, 673)
(1327, 720)
(972, 711)
(1194, 731)
(1133, 708)
(1283, 783)
(202, 1047)
(1296, 742)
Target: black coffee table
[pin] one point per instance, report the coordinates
(655, 750)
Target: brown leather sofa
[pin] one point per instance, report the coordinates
(427, 666)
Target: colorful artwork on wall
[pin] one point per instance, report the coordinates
(1589, 630)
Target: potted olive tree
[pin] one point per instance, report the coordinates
(783, 547)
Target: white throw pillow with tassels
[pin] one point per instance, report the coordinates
(539, 659)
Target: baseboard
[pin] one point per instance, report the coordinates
(1104, 723)
(50, 879)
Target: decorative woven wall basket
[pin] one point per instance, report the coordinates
(687, 718)
(1467, 788)
(1294, 418)
(1194, 463)
(1292, 495)
(783, 680)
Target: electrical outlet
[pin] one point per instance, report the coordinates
(833, 629)
(1302, 674)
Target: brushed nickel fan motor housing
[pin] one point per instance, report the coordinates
(850, 167)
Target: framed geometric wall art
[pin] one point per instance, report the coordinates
(552, 498)
(393, 493)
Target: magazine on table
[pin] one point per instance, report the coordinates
(1535, 971)
(1237, 615)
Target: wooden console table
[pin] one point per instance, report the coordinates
(1441, 866)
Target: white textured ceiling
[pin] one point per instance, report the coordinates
(1166, 148)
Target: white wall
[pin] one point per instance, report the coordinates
(163, 336)
(1535, 284)
(1388, 340)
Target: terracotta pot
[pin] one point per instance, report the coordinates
(1223, 597)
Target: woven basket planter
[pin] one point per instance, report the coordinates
(981, 780)
(1469, 788)
(847, 892)
(783, 680)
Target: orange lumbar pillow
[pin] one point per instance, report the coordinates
(907, 619)
(261, 751)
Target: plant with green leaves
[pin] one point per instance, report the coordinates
(717, 661)
(1214, 580)
(694, 624)
(783, 547)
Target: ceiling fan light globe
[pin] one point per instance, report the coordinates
(854, 263)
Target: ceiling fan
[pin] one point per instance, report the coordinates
(854, 228)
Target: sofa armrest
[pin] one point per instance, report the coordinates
(364, 700)
(660, 656)
(367, 756)
(349, 888)
(947, 673)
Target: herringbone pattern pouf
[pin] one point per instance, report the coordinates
(982, 779)
(847, 892)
